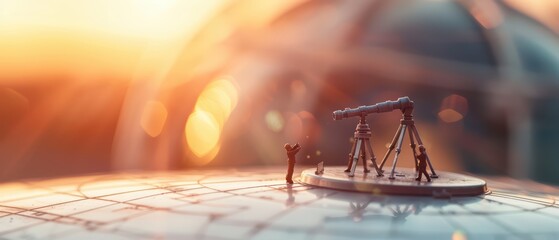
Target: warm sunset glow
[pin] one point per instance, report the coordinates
(92, 38)
(153, 118)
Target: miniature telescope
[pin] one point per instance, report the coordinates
(361, 147)
(402, 103)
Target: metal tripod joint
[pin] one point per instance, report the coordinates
(408, 109)
(362, 119)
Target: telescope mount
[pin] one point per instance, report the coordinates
(362, 148)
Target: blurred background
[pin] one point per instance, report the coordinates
(99, 86)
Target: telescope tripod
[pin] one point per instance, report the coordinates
(361, 147)
(407, 123)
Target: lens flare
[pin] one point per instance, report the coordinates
(204, 126)
(213, 101)
(225, 84)
(202, 133)
(219, 99)
(153, 118)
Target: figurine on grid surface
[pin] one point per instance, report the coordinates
(291, 152)
(422, 165)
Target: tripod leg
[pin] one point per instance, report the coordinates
(364, 156)
(391, 147)
(373, 158)
(355, 157)
(433, 173)
(412, 145)
(398, 149)
(350, 158)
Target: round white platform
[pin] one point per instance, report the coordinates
(447, 184)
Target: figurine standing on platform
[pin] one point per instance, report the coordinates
(422, 165)
(291, 152)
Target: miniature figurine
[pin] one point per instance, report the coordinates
(291, 152)
(422, 165)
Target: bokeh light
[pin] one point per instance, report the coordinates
(274, 120)
(459, 235)
(205, 125)
(219, 99)
(153, 118)
(202, 133)
(450, 115)
(453, 108)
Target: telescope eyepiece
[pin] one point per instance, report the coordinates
(339, 115)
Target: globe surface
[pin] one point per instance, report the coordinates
(255, 203)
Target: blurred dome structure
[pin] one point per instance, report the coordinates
(484, 78)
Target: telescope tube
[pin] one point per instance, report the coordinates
(402, 103)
